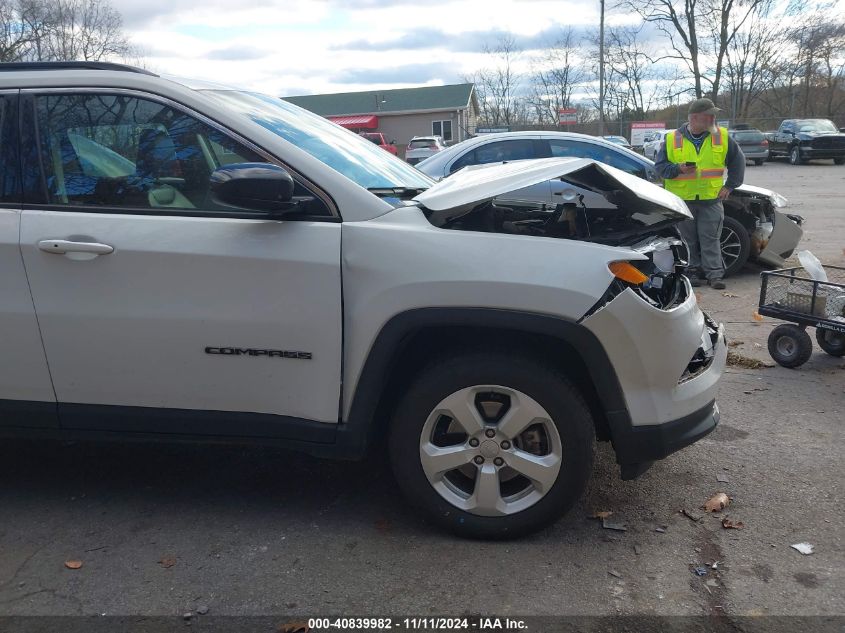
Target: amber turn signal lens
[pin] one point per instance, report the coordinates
(627, 272)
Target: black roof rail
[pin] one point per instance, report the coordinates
(73, 66)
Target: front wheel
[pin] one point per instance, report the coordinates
(492, 445)
(831, 342)
(736, 245)
(790, 345)
(795, 156)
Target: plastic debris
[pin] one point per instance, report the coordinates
(722, 479)
(731, 525)
(804, 548)
(717, 502)
(700, 570)
(715, 565)
(609, 525)
(614, 573)
(812, 265)
(73, 564)
(662, 530)
(692, 516)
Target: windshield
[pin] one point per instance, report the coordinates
(819, 125)
(353, 156)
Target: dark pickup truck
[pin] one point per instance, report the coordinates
(801, 140)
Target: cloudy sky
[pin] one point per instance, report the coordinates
(292, 47)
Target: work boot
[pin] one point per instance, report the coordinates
(717, 284)
(696, 277)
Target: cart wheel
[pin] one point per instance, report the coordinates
(790, 345)
(831, 342)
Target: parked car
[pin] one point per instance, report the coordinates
(753, 143)
(618, 140)
(652, 145)
(755, 226)
(801, 140)
(248, 271)
(381, 140)
(421, 147)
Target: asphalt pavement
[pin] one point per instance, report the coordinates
(165, 530)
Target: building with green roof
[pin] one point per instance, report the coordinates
(447, 111)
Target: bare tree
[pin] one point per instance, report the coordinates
(56, 30)
(697, 30)
(556, 74)
(89, 30)
(497, 86)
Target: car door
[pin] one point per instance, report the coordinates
(26, 393)
(160, 309)
(507, 150)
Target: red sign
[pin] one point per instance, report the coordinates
(567, 116)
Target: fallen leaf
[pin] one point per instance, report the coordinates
(167, 562)
(730, 294)
(804, 548)
(601, 514)
(294, 627)
(757, 316)
(73, 564)
(730, 525)
(717, 502)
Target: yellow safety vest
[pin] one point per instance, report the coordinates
(708, 178)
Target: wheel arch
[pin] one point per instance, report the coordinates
(411, 339)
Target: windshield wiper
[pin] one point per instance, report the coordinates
(396, 192)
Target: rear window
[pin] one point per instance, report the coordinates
(421, 143)
(749, 136)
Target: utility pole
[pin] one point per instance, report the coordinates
(601, 71)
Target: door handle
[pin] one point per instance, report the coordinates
(60, 247)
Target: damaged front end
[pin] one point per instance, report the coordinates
(773, 234)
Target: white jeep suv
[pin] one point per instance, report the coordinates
(192, 262)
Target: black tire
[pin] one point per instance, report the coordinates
(790, 345)
(831, 342)
(795, 156)
(736, 245)
(839, 161)
(759, 161)
(548, 387)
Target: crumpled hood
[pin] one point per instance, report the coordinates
(471, 186)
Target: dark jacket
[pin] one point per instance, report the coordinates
(734, 161)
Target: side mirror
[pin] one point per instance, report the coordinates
(254, 187)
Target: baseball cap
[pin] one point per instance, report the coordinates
(703, 106)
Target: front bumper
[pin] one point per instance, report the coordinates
(811, 153)
(644, 445)
(668, 363)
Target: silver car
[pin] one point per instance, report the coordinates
(755, 227)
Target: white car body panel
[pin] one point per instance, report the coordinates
(23, 372)
(475, 184)
(400, 262)
(130, 328)
(632, 332)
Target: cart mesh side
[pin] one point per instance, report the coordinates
(793, 295)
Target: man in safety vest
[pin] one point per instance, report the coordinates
(692, 163)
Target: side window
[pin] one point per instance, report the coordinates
(9, 163)
(499, 151)
(464, 161)
(607, 155)
(121, 151)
